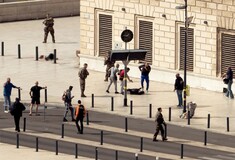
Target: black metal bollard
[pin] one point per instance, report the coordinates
(182, 151)
(19, 93)
(87, 118)
(150, 110)
(76, 151)
(116, 155)
(205, 138)
(96, 153)
(101, 137)
(62, 131)
(112, 102)
(208, 120)
(188, 117)
(24, 127)
(17, 140)
(44, 110)
(141, 144)
(165, 130)
(19, 51)
(227, 124)
(2, 48)
(92, 100)
(55, 56)
(36, 49)
(36, 144)
(169, 114)
(131, 107)
(56, 147)
(46, 95)
(126, 125)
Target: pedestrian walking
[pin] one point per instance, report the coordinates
(160, 125)
(179, 85)
(145, 70)
(229, 76)
(121, 78)
(109, 64)
(83, 73)
(49, 23)
(35, 97)
(16, 111)
(80, 113)
(7, 87)
(67, 97)
(113, 78)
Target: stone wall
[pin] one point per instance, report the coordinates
(28, 10)
(217, 14)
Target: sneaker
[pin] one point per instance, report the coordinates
(6, 111)
(107, 91)
(164, 139)
(65, 120)
(116, 92)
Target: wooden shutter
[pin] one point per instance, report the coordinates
(146, 39)
(190, 57)
(227, 53)
(105, 34)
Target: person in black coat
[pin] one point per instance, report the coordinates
(179, 86)
(160, 123)
(16, 111)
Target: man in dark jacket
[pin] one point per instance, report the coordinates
(229, 75)
(16, 111)
(109, 64)
(179, 85)
(159, 125)
(80, 114)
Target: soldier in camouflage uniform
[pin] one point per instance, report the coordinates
(83, 73)
(109, 64)
(49, 23)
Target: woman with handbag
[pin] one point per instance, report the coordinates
(228, 79)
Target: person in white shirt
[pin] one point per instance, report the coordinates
(113, 78)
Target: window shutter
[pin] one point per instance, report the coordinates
(228, 53)
(105, 34)
(190, 57)
(146, 38)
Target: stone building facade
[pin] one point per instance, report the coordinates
(159, 27)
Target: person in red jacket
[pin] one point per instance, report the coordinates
(80, 113)
(121, 78)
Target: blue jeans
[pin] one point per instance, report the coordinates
(230, 92)
(7, 102)
(179, 95)
(146, 78)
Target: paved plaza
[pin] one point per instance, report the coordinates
(58, 77)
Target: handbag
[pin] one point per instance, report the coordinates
(225, 80)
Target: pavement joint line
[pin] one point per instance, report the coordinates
(42, 154)
(214, 130)
(150, 136)
(97, 144)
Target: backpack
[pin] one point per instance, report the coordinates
(64, 96)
